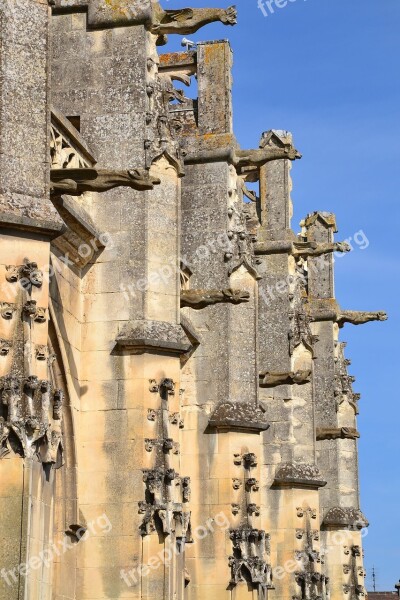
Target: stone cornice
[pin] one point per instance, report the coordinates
(339, 517)
(299, 474)
(244, 416)
(146, 336)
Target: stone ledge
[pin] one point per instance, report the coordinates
(344, 518)
(301, 474)
(143, 336)
(245, 416)
(48, 228)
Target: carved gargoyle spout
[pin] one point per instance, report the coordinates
(306, 249)
(300, 249)
(75, 182)
(332, 433)
(273, 379)
(258, 158)
(356, 317)
(188, 20)
(198, 299)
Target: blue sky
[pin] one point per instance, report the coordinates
(329, 72)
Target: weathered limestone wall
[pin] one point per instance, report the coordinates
(179, 386)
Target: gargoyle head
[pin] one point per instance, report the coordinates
(381, 316)
(342, 247)
(292, 153)
(230, 16)
(142, 179)
(236, 296)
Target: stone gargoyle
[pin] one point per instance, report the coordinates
(356, 317)
(188, 20)
(258, 158)
(198, 299)
(268, 379)
(337, 433)
(313, 249)
(300, 249)
(75, 182)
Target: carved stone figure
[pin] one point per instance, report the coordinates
(313, 249)
(189, 20)
(75, 182)
(5, 347)
(27, 274)
(332, 433)
(356, 317)
(7, 310)
(251, 556)
(273, 379)
(259, 157)
(198, 299)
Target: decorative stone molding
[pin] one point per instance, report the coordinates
(27, 274)
(302, 474)
(251, 555)
(249, 460)
(68, 149)
(268, 379)
(171, 516)
(312, 585)
(237, 415)
(7, 310)
(336, 433)
(142, 336)
(199, 299)
(37, 430)
(41, 352)
(35, 312)
(252, 485)
(345, 518)
(343, 390)
(300, 331)
(5, 347)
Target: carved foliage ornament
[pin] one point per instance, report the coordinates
(251, 557)
(27, 274)
(33, 413)
(343, 381)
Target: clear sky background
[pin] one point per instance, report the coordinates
(328, 71)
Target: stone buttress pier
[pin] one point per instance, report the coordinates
(177, 418)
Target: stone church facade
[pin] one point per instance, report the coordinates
(177, 418)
